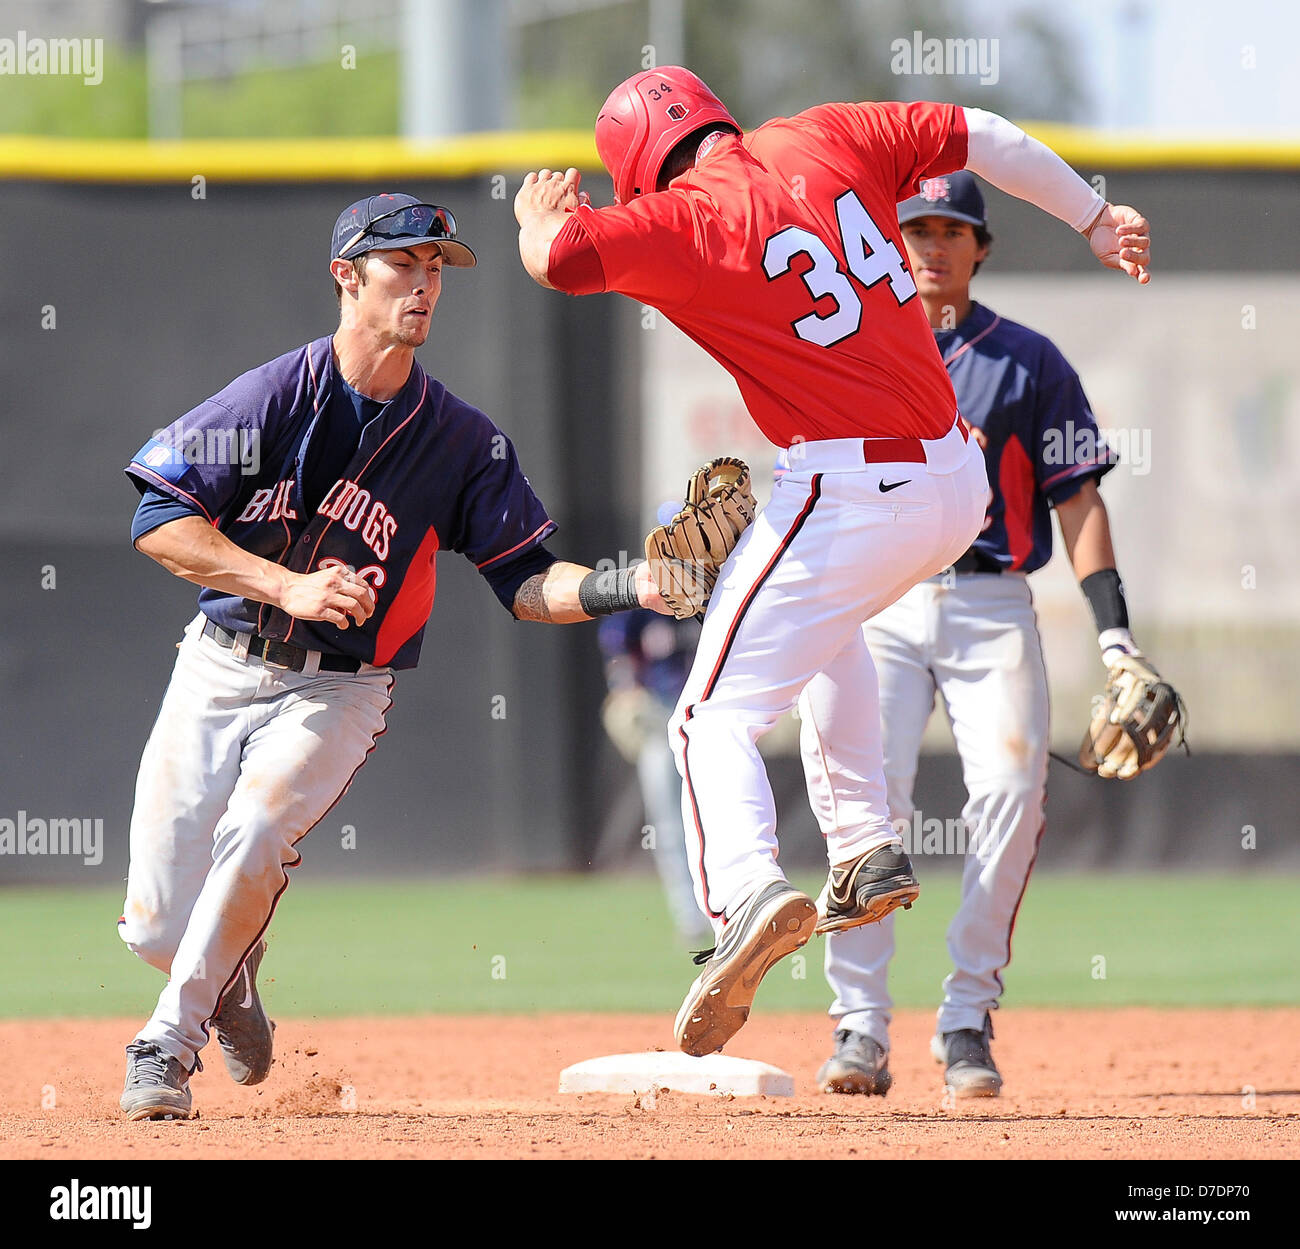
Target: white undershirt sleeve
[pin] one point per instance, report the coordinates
(1006, 156)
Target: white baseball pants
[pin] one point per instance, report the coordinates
(829, 550)
(243, 761)
(975, 639)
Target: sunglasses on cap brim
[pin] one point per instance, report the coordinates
(415, 221)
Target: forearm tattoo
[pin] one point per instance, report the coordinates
(530, 600)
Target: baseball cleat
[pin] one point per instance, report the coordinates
(866, 890)
(859, 1065)
(969, 1067)
(244, 1033)
(157, 1085)
(775, 922)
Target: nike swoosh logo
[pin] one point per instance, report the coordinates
(248, 992)
(893, 485)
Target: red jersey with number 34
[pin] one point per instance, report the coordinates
(780, 254)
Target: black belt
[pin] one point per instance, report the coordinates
(281, 654)
(977, 561)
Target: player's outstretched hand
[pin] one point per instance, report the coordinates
(647, 590)
(1121, 239)
(332, 594)
(549, 190)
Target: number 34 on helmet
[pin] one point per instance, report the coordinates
(646, 117)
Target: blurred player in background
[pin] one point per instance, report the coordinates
(647, 659)
(971, 634)
(778, 252)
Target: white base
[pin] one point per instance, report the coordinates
(657, 1070)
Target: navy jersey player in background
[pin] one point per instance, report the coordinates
(971, 634)
(309, 499)
(647, 659)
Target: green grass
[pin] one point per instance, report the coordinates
(302, 102)
(63, 105)
(604, 943)
(299, 102)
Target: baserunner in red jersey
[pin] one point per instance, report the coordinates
(778, 251)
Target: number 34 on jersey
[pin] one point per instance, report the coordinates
(870, 257)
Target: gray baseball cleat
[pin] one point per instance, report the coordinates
(859, 1065)
(775, 922)
(867, 889)
(969, 1067)
(244, 1033)
(157, 1085)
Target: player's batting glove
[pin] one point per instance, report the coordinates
(686, 554)
(1134, 722)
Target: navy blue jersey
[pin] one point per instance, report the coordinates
(429, 473)
(330, 456)
(1043, 442)
(644, 648)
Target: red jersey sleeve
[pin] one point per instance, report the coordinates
(920, 140)
(573, 264)
(646, 250)
(931, 140)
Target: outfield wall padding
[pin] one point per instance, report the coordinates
(158, 299)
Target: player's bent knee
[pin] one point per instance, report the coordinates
(1010, 803)
(155, 946)
(260, 852)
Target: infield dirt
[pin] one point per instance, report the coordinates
(1079, 1084)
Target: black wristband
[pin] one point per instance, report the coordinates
(604, 593)
(1105, 594)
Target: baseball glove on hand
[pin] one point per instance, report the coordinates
(686, 554)
(1134, 723)
(631, 719)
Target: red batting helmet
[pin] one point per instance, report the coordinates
(645, 118)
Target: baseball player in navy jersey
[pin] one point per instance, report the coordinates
(778, 252)
(647, 659)
(970, 633)
(318, 572)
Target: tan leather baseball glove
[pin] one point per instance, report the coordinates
(1134, 722)
(686, 554)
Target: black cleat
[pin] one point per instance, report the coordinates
(859, 1065)
(867, 889)
(157, 1085)
(243, 1031)
(969, 1069)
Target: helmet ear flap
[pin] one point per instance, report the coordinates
(622, 131)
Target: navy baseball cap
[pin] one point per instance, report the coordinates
(956, 195)
(387, 222)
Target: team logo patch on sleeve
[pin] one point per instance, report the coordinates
(155, 457)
